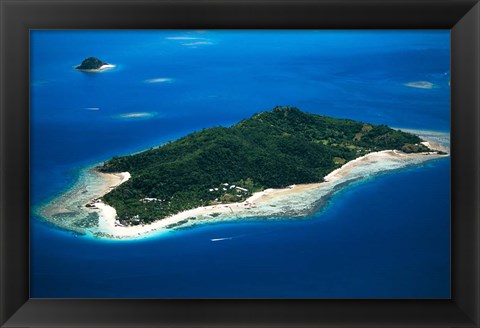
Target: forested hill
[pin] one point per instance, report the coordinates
(271, 149)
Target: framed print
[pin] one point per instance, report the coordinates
(192, 175)
(187, 164)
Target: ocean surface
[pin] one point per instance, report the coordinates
(382, 237)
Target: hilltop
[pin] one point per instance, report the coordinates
(92, 64)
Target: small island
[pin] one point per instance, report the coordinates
(92, 65)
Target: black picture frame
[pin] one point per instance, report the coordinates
(19, 16)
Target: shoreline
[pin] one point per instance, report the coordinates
(96, 70)
(295, 201)
(69, 211)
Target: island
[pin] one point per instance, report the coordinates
(275, 165)
(92, 65)
(224, 165)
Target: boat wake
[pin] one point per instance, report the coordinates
(221, 239)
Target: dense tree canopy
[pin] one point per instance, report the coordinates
(91, 63)
(222, 165)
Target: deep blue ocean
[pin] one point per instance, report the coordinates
(382, 237)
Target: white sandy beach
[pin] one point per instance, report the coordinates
(98, 70)
(270, 202)
(69, 211)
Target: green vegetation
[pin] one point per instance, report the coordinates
(414, 148)
(91, 63)
(272, 149)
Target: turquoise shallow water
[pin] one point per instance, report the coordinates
(386, 237)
